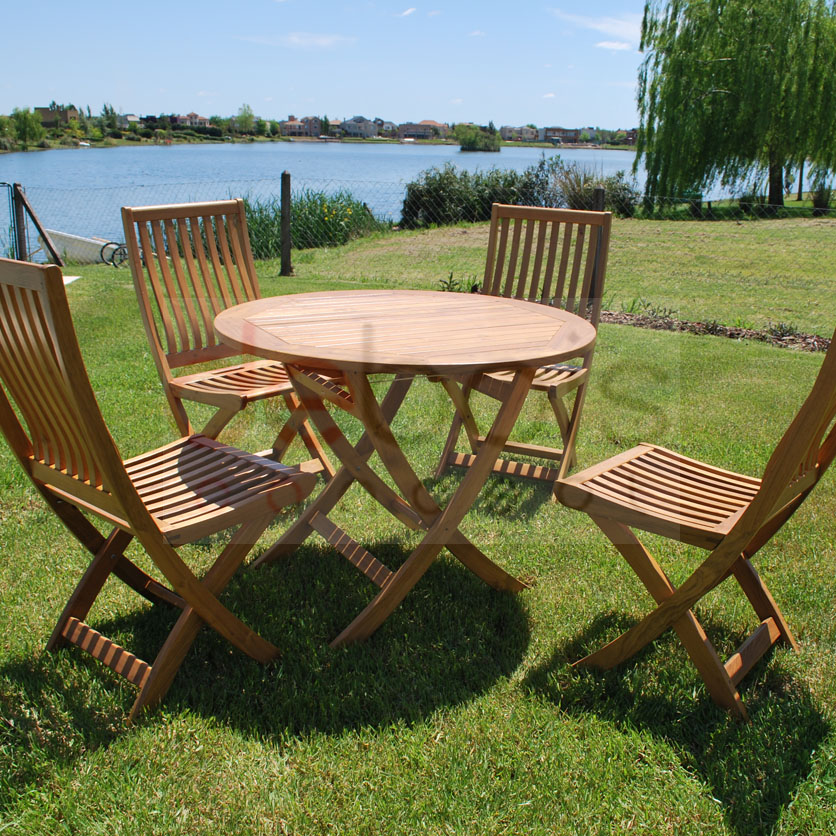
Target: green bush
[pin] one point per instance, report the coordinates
(443, 196)
(317, 219)
(822, 195)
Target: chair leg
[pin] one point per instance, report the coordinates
(181, 417)
(182, 636)
(568, 427)
(460, 396)
(309, 437)
(687, 627)
(218, 421)
(761, 599)
(91, 583)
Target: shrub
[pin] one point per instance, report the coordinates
(822, 195)
(446, 195)
(316, 220)
(443, 196)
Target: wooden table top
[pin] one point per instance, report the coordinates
(419, 331)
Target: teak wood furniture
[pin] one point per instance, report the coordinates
(557, 257)
(730, 515)
(182, 492)
(405, 333)
(189, 262)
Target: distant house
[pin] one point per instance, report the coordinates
(524, 133)
(385, 128)
(293, 127)
(358, 126)
(190, 120)
(125, 120)
(52, 117)
(558, 135)
(439, 128)
(306, 126)
(415, 130)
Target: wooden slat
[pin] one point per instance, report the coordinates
(351, 550)
(752, 650)
(506, 467)
(111, 654)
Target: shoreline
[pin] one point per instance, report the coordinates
(119, 143)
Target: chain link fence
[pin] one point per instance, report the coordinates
(328, 213)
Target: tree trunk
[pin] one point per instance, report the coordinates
(776, 184)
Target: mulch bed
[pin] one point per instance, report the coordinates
(800, 342)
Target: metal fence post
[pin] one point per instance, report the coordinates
(21, 253)
(287, 267)
(598, 204)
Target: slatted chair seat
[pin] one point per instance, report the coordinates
(555, 257)
(560, 377)
(732, 516)
(247, 382)
(669, 494)
(184, 491)
(190, 262)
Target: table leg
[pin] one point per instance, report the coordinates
(412, 488)
(343, 479)
(444, 528)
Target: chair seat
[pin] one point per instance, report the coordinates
(248, 381)
(663, 492)
(561, 377)
(195, 486)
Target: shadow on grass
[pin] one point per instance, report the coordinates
(751, 769)
(508, 497)
(449, 641)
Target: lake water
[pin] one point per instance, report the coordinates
(81, 190)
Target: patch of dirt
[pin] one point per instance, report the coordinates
(800, 342)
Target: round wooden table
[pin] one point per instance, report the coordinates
(353, 334)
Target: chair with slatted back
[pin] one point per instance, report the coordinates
(553, 257)
(189, 262)
(185, 491)
(732, 516)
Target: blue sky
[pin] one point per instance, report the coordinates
(511, 62)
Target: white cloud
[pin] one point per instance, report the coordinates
(407, 12)
(456, 101)
(477, 33)
(625, 28)
(615, 45)
(300, 40)
(548, 96)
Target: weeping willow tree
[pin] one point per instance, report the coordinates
(734, 89)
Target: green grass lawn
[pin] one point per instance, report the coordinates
(461, 715)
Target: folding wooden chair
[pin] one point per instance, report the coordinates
(179, 493)
(189, 262)
(733, 516)
(555, 257)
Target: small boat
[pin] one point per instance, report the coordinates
(80, 250)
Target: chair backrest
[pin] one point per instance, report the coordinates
(552, 256)
(801, 457)
(189, 262)
(60, 438)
